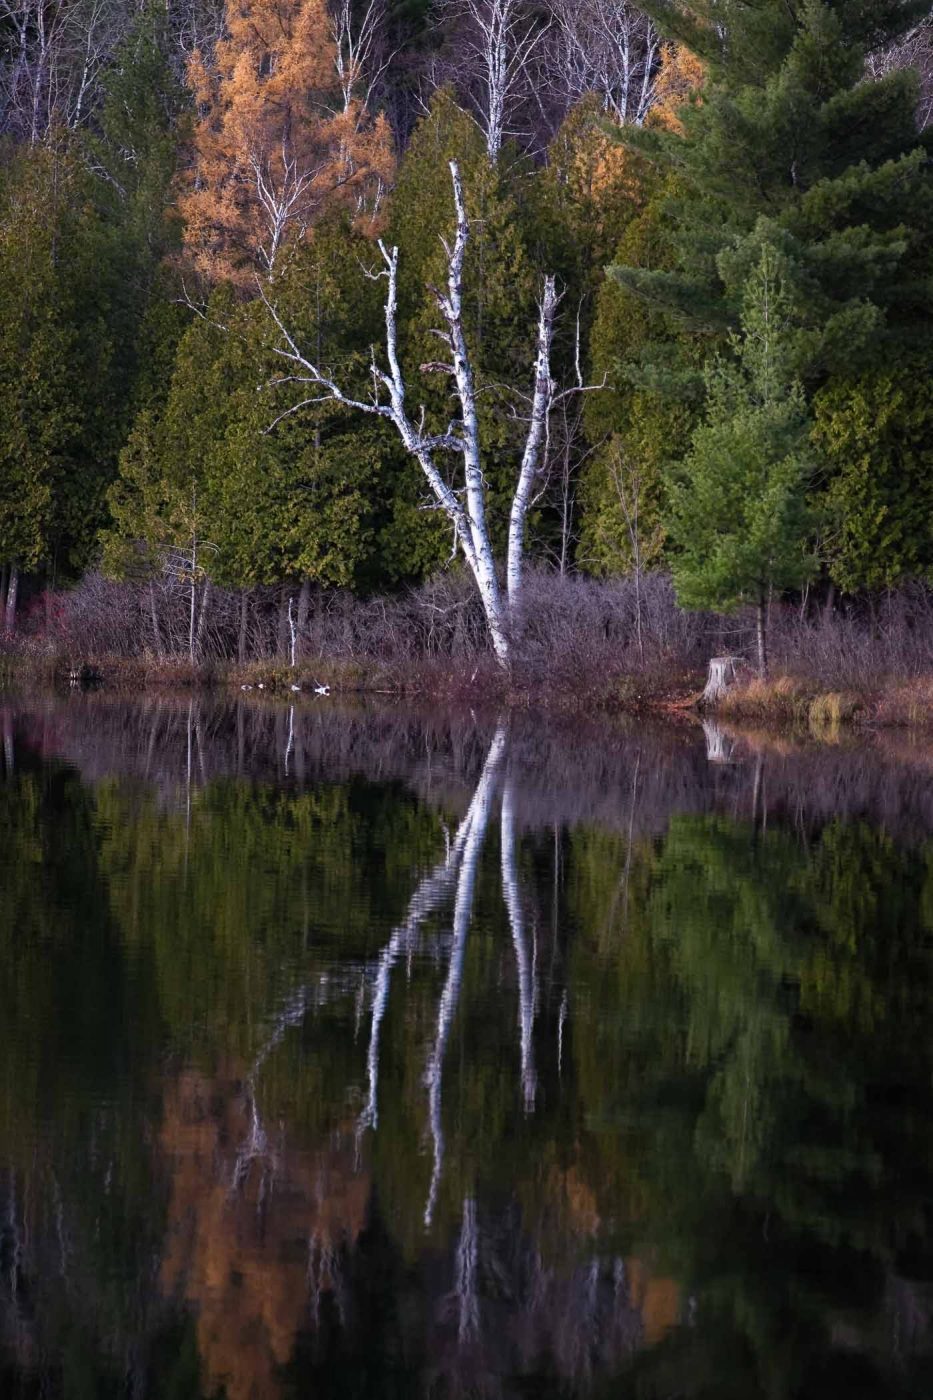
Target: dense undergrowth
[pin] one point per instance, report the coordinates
(579, 643)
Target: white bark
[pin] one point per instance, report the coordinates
(608, 47)
(498, 41)
(424, 901)
(356, 39)
(479, 819)
(465, 509)
(534, 442)
(723, 673)
(524, 964)
(467, 1274)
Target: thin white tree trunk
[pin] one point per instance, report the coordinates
(479, 808)
(467, 1274)
(534, 443)
(424, 901)
(526, 988)
(466, 512)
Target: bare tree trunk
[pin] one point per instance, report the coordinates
(154, 616)
(526, 987)
(202, 619)
(244, 620)
(463, 908)
(424, 901)
(292, 635)
(761, 630)
(12, 595)
(304, 608)
(534, 443)
(468, 516)
(467, 1258)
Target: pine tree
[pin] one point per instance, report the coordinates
(790, 145)
(738, 515)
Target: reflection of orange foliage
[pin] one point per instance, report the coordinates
(275, 143)
(239, 1253)
(657, 1299)
(577, 1200)
(681, 73)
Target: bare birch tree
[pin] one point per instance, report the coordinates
(52, 60)
(466, 506)
(914, 50)
(497, 45)
(608, 47)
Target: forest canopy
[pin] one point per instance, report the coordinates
(729, 202)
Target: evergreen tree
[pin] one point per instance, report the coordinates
(737, 512)
(876, 435)
(43, 495)
(790, 145)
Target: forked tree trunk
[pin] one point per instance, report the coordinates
(467, 510)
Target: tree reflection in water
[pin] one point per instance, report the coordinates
(649, 1108)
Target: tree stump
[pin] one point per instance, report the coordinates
(723, 673)
(720, 746)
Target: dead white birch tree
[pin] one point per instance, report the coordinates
(478, 818)
(608, 47)
(511, 892)
(496, 41)
(464, 506)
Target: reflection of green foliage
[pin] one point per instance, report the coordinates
(751, 1011)
(745, 1086)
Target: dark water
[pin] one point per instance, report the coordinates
(384, 1055)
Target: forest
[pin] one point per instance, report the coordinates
(542, 332)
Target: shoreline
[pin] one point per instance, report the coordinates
(782, 702)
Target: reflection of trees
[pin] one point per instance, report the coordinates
(772, 1072)
(676, 1118)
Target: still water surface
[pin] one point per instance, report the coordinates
(383, 1055)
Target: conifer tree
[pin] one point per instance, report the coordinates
(738, 516)
(791, 146)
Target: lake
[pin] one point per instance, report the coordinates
(377, 1053)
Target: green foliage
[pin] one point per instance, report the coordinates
(43, 495)
(737, 512)
(876, 440)
(634, 426)
(787, 147)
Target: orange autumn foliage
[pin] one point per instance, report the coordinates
(599, 172)
(251, 1238)
(680, 75)
(276, 144)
